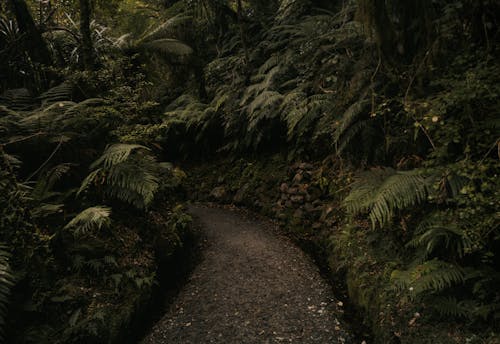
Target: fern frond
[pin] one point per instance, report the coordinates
(350, 116)
(134, 182)
(59, 93)
(116, 154)
(433, 234)
(19, 99)
(430, 276)
(90, 220)
(167, 29)
(264, 100)
(125, 175)
(383, 191)
(6, 283)
(450, 306)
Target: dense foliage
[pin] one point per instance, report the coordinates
(402, 95)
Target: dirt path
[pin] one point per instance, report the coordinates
(252, 286)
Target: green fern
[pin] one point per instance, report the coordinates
(433, 234)
(116, 154)
(90, 220)
(383, 191)
(125, 174)
(450, 306)
(59, 93)
(431, 276)
(167, 29)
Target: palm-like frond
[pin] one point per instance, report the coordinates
(90, 220)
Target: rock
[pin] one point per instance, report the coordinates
(218, 193)
(297, 179)
(292, 191)
(315, 193)
(306, 166)
(297, 199)
(302, 189)
(284, 187)
(241, 193)
(308, 207)
(298, 214)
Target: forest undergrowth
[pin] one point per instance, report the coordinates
(381, 118)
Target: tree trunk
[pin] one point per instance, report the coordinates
(242, 31)
(374, 15)
(36, 47)
(87, 46)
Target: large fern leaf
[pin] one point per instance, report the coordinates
(383, 191)
(430, 276)
(90, 220)
(116, 154)
(124, 174)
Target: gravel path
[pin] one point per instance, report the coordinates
(252, 286)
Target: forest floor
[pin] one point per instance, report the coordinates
(252, 285)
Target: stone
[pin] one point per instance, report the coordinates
(240, 194)
(297, 199)
(298, 214)
(297, 179)
(218, 193)
(284, 187)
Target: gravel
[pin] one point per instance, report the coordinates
(252, 286)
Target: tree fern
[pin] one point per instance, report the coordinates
(90, 220)
(383, 191)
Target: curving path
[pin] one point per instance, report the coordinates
(252, 286)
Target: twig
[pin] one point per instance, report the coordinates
(22, 139)
(46, 161)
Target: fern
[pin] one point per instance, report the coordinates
(90, 220)
(19, 99)
(116, 154)
(430, 276)
(166, 30)
(450, 306)
(62, 92)
(431, 235)
(6, 283)
(131, 178)
(383, 191)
